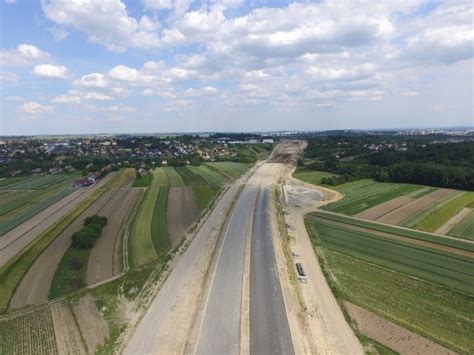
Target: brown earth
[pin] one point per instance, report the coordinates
(35, 285)
(402, 213)
(378, 211)
(129, 178)
(392, 335)
(398, 237)
(101, 260)
(68, 338)
(94, 328)
(15, 240)
(182, 212)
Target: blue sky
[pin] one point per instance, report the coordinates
(91, 66)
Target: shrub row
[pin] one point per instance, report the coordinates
(86, 237)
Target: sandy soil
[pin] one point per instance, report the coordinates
(401, 238)
(14, 241)
(35, 285)
(93, 327)
(378, 211)
(101, 261)
(68, 338)
(327, 331)
(402, 213)
(458, 217)
(392, 335)
(182, 212)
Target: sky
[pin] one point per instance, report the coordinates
(145, 66)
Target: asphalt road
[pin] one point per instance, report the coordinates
(269, 329)
(165, 326)
(219, 331)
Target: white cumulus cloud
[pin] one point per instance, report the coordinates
(35, 108)
(50, 71)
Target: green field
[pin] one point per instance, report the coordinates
(6, 182)
(204, 195)
(436, 265)
(229, 168)
(465, 228)
(311, 176)
(160, 178)
(190, 178)
(159, 230)
(43, 182)
(445, 211)
(210, 176)
(142, 250)
(424, 307)
(143, 181)
(173, 177)
(70, 275)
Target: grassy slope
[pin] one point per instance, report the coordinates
(159, 230)
(465, 228)
(142, 250)
(204, 195)
(427, 308)
(444, 212)
(230, 168)
(311, 176)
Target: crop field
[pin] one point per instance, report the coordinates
(204, 195)
(142, 249)
(5, 182)
(445, 211)
(159, 230)
(32, 333)
(311, 176)
(210, 176)
(160, 178)
(427, 308)
(465, 228)
(431, 261)
(143, 181)
(360, 197)
(43, 182)
(189, 177)
(229, 168)
(173, 177)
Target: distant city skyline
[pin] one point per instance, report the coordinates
(180, 66)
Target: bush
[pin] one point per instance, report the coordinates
(86, 237)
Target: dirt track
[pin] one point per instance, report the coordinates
(392, 335)
(182, 212)
(378, 211)
(14, 241)
(400, 214)
(101, 260)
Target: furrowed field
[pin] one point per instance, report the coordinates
(387, 276)
(157, 228)
(25, 198)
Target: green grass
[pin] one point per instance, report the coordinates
(13, 271)
(67, 278)
(5, 183)
(42, 182)
(444, 212)
(442, 267)
(465, 228)
(174, 178)
(160, 178)
(311, 176)
(143, 181)
(142, 250)
(159, 230)
(203, 195)
(424, 307)
(190, 178)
